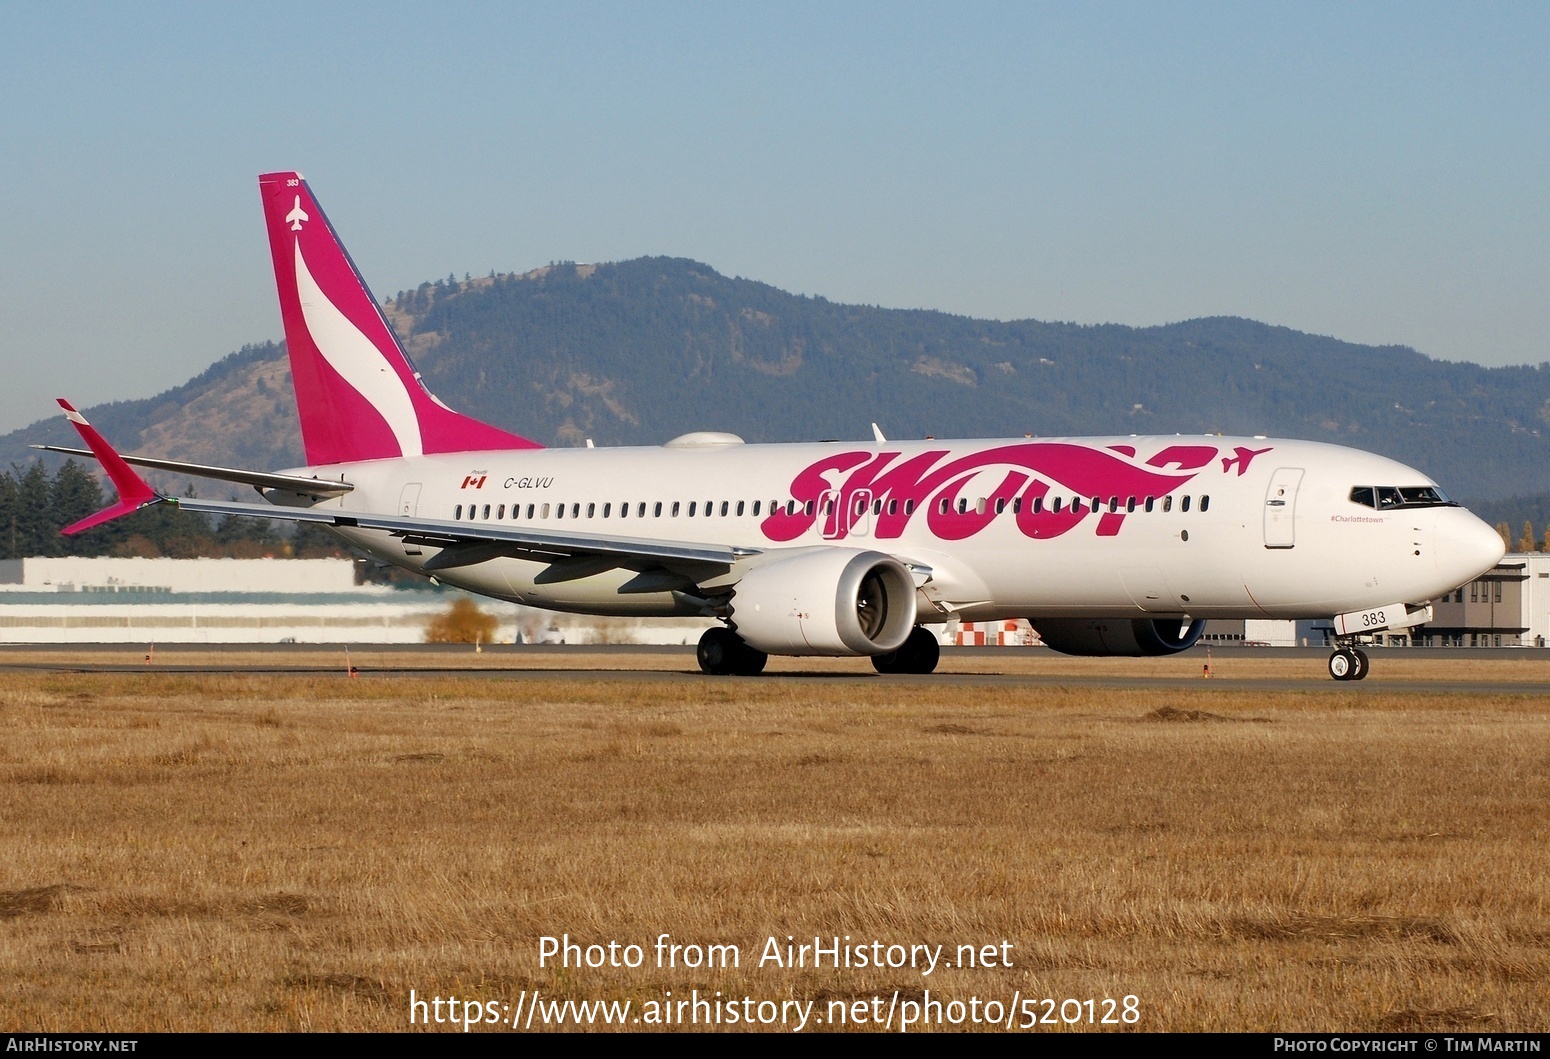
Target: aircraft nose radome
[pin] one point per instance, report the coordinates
(1467, 548)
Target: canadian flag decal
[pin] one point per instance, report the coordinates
(474, 481)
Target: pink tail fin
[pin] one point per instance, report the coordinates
(133, 491)
(357, 393)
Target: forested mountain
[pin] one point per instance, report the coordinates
(637, 352)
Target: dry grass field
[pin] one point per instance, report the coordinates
(300, 851)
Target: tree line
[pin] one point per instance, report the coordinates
(35, 506)
(1526, 541)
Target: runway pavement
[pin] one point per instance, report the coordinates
(1455, 671)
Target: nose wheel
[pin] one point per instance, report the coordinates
(1348, 663)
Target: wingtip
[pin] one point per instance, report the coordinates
(133, 491)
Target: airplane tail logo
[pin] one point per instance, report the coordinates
(357, 393)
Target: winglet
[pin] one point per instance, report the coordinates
(133, 491)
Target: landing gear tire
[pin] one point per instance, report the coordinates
(721, 652)
(919, 654)
(1349, 664)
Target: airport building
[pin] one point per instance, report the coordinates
(1508, 606)
(80, 600)
(104, 600)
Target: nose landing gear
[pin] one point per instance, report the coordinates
(1348, 663)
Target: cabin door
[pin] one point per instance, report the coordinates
(1281, 508)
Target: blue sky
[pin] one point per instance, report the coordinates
(1377, 172)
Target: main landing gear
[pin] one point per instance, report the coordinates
(1348, 663)
(918, 655)
(724, 653)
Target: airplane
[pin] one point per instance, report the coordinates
(1119, 546)
(297, 216)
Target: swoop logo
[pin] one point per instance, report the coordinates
(926, 487)
(474, 481)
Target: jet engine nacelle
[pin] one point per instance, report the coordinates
(829, 601)
(1131, 637)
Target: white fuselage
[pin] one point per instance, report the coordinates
(1208, 527)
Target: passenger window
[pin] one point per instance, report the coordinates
(1205, 504)
(675, 508)
(624, 510)
(755, 509)
(723, 509)
(877, 507)
(559, 510)
(807, 509)
(575, 511)
(1055, 507)
(530, 512)
(591, 511)
(457, 515)
(656, 512)
(1167, 504)
(545, 511)
(909, 507)
(1113, 504)
(1184, 504)
(501, 512)
(607, 510)
(1149, 501)
(691, 508)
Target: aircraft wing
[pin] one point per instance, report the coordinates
(463, 543)
(457, 536)
(294, 483)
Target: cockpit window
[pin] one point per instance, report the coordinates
(1388, 497)
(1425, 496)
